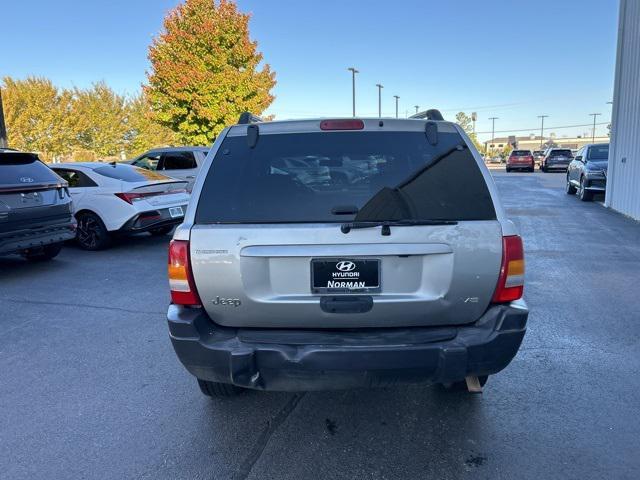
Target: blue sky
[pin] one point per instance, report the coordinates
(510, 59)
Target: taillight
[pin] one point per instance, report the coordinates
(129, 197)
(183, 290)
(341, 125)
(511, 280)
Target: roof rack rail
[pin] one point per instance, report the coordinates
(248, 117)
(431, 114)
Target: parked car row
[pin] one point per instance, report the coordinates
(43, 206)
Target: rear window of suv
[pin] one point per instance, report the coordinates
(560, 153)
(599, 152)
(327, 177)
(24, 169)
(521, 153)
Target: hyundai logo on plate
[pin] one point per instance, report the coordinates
(345, 266)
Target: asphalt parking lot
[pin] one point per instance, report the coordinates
(90, 386)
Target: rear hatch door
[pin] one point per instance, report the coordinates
(411, 241)
(31, 194)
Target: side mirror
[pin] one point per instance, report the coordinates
(579, 158)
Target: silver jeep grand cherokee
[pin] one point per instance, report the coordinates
(402, 270)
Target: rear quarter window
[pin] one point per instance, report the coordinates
(311, 177)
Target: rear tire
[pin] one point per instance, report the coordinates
(91, 233)
(508, 169)
(42, 253)
(158, 232)
(462, 386)
(216, 389)
(571, 190)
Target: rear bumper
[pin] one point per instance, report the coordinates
(299, 360)
(556, 166)
(520, 166)
(145, 221)
(596, 184)
(17, 241)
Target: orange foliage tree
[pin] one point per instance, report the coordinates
(206, 71)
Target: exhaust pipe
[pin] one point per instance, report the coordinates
(473, 384)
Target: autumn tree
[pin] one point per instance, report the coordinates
(206, 71)
(99, 120)
(37, 116)
(143, 132)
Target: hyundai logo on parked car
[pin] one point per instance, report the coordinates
(345, 266)
(26, 180)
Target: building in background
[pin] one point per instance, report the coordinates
(533, 142)
(623, 182)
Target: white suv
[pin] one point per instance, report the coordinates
(406, 271)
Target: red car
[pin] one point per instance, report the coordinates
(521, 160)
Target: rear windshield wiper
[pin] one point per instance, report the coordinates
(386, 224)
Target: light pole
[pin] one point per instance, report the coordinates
(593, 133)
(493, 128)
(353, 87)
(380, 87)
(416, 106)
(397, 98)
(542, 117)
(474, 117)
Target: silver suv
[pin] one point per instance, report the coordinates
(406, 271)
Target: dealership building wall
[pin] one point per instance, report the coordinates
(623, 182)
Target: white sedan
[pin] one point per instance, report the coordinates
(110, 198)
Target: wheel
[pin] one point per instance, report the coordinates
(158, 232)
(508, 169)
(571, 190)
(215, 389)
(42, 253)
(91, 233)
(462, 386)
(584, 194)
(543, 168)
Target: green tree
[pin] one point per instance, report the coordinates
(99, 120)
(206, 71)
(143, 132)
(37, 115)
(466, 123)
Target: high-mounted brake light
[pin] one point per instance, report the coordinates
(511, 280)
(341, 125)
(183, 290)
